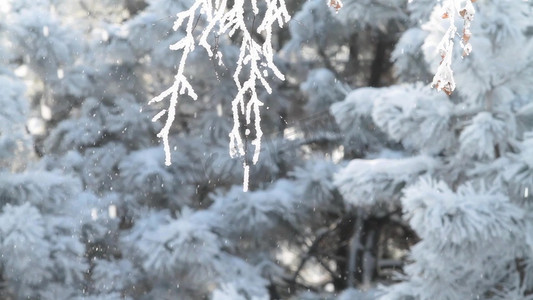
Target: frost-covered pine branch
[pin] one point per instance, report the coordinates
(257, 58)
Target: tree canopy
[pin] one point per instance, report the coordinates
(365, 181)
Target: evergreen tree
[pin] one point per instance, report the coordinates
(470, 213)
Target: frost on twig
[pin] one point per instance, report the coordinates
(443, 79)
(257, 58)
(336, 4)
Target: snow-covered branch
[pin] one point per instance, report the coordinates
(256, 58)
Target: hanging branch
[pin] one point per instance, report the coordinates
(257, 58)
(443, 79)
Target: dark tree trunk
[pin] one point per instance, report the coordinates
(345, 233)
(380, 62)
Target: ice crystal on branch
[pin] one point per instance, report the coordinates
(256, 57)
(336, 4)
(443, 79)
